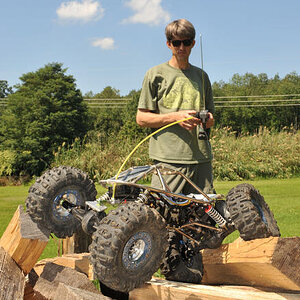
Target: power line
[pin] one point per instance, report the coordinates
(107, 99)
(258, 105)
(260, 101)
(93, 103)
(255, 96)
(256, 100)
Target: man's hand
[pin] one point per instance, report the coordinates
(190, 123)
(210, 121)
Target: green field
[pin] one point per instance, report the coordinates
(282, 195)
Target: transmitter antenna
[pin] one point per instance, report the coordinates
(203, 89)
(203, 114)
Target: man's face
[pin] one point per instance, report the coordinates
(181, 47)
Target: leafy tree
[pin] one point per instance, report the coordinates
(130, 129)
(117, 122)
(108, 93)
(46, 111)
(106, 121)
(5, 90)
(89, 95)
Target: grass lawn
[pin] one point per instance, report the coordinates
(282, 196)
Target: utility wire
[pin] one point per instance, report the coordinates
(255, 96)
(258, 105)
(260, 101)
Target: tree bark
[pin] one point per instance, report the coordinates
(12, 280)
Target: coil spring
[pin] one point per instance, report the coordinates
(104, 197)
(215, 215)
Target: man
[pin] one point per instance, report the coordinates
(173, 91)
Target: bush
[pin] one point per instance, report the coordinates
(99, 156)
(263, 155)
(7, 162)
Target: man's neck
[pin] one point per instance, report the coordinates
(179, 64)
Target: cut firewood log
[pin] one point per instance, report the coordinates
(12, 280)
(44, 289)
(53, 275)
(77, 261)
(23, 240)
(270, 262)
(159, 289)
(80, 263)
(56, 290)
(73, 293)
(56, 273)
(78, 243)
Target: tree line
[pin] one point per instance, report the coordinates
(47, 110)
(273, 109)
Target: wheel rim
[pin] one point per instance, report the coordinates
(63, 202)
(137, 250)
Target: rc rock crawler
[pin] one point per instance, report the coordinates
(151, 228)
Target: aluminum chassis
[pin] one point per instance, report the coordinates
(131, 176)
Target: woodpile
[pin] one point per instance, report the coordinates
(21, 245)
(271, 262)
(259, 269)
(58, 282)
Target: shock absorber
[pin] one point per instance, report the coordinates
(143, 197)
(104, 197)
(215, 215)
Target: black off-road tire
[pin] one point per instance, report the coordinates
(51, 196)
(250, 213)
(128, 246)
(176, 268)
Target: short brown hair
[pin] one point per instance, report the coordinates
(181, 28)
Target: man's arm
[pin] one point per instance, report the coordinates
(147, 118)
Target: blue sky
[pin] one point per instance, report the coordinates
(114, 42)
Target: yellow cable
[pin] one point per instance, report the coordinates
(140, 143)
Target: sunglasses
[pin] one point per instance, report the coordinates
(186, 43)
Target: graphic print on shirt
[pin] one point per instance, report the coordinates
(183, 95)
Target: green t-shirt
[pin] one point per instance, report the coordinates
(167, 89)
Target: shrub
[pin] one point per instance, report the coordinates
(264, 155)
(7, 161)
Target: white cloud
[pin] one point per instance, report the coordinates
(147, 12)
(85, 10)
(105, 43)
